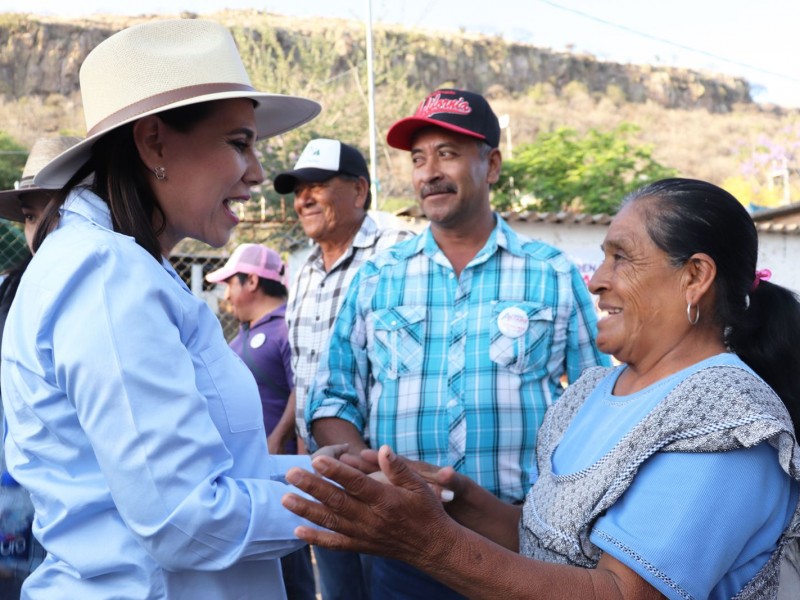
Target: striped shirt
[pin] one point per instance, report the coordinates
(459, 370)
(315, 299)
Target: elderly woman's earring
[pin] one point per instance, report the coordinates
(160, 173)
(689, 314)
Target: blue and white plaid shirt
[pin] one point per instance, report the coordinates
(315, 298)
(458, 370)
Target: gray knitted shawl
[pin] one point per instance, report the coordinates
(716, 409)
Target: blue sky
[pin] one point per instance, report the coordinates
(755, 40)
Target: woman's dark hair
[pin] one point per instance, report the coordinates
(761, 320)
(123, 182)
(269, 287)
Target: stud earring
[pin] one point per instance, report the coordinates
(160, 173)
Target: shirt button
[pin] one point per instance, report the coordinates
(452, 404)
(313, 352)
(317, 317)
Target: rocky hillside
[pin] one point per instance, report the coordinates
(695, 121)
(42, 56)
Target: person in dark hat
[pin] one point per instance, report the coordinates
(24, 204)
(331, 187)
(450, 347)
(136, 429)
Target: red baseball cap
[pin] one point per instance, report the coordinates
(457, 110)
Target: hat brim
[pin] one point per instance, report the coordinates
(275, 114)
(284, 183)
(227, 272)
(10, 203)
(401, 134)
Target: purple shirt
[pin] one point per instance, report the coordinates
(265, 350)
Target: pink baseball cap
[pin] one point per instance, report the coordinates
(253, 259)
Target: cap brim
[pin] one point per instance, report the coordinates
(220, 275)
(275, 114)
(284, 183)
(401, 134)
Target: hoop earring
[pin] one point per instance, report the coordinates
(160, 173)
(689, 314)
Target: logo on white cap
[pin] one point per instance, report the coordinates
(320, 154)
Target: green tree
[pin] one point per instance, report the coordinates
(12, 160)
(563, 171)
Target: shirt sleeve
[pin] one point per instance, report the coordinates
(286, 355)
(582, 351)
(700, 525)
(176, 484)
(339, 389)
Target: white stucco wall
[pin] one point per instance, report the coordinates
(778, 252)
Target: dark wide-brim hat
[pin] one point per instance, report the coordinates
(160, 65)
(44, 150)
(461, 111)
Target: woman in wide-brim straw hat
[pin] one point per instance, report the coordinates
(137, 431)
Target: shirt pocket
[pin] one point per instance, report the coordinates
(227, 383)
(398, 340)
(520, 332)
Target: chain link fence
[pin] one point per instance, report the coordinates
(13, 248)
(194, 260)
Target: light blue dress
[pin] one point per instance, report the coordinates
(136, 428)
(680, 506)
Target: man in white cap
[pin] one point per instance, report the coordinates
(450, 347)
(331, 187)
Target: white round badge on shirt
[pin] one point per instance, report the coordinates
(513, 321)
(258, 340)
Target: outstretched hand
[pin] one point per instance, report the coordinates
(444, 481)
(404, 520)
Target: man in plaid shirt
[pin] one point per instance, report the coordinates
(331, 187)
(450, 346)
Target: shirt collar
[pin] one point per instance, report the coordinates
(364, 238)
(278, 313)
(502, 236)
(82, 201)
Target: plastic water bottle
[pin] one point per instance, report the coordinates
(16, 517)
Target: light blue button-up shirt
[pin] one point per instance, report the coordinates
(135, 427)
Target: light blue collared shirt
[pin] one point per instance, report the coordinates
(135, 427)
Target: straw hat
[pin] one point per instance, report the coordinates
(44, 150)
(160, 65)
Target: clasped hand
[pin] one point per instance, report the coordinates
(398, 501)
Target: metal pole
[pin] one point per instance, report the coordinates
(373, 153)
